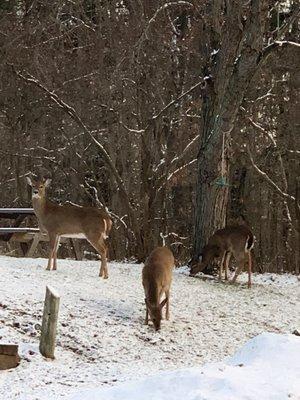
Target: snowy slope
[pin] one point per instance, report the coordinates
(102, 340)
(266, 368)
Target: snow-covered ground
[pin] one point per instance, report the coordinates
(102, 340)
(266, 368)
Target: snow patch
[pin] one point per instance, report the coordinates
(267, 279)
(266, 367)
(102, 340)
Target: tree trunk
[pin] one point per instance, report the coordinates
(212, 192)
(236, 64)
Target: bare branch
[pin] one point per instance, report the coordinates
(181, 168)
(266, 177)
(75, 117)
(131, 130)
(294, 152)
(153, 18)
(172, 174)
(51, 159)
(73, 114)
(174, 162)
(171, 103)
(264, 131)
(275, 45)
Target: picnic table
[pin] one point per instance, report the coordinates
(14, 213)
(28, 237)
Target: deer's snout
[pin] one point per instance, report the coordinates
(157, 327)
(194, 269)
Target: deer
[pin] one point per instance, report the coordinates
(236, 241)
(157, 279)
(71, 220)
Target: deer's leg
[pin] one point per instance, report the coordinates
(227, 259)
(239, 269)
(55, 252)
(103, 252)
(249, 269)
(221, 266)
(101, 248)
(147, 316)
(167, 305)
(52, 242)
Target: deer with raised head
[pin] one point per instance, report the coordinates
(236, 241)
(157, 279)
(70, 220)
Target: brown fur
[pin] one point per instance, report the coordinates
(69, 219)
(236, 241)
(157, 278)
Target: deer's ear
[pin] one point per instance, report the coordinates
(163, 303)
(29, 181)
(47, 182)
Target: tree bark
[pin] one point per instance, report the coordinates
(237, 62)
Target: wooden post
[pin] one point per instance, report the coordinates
(49, 324)
(9, 357)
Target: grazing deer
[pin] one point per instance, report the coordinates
(236, 241)
(157, 278)
(70, 220)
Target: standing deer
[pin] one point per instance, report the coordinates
(157, 278)
(70, 220)
(236, 241)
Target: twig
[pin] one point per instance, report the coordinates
(268, 179)
(75, 117)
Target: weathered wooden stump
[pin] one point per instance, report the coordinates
(49, 324)
(9, 357)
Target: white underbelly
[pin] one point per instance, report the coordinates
(75, 235)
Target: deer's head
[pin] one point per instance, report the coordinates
(155, 313)
(209, 252)
(38, 186)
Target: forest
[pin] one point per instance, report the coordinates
(165, 134)
(180, 117)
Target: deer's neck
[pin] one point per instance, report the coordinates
(39, 205)
(153, 293)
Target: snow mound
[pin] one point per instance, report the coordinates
(270, 348)
(267, 367)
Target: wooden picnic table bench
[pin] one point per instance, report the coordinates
(28, 237)
(14, 213)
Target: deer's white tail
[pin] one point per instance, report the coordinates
(105, 235)
(249, 244)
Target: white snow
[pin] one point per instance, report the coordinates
(267, 367)
(279, 280)
(102, 340)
